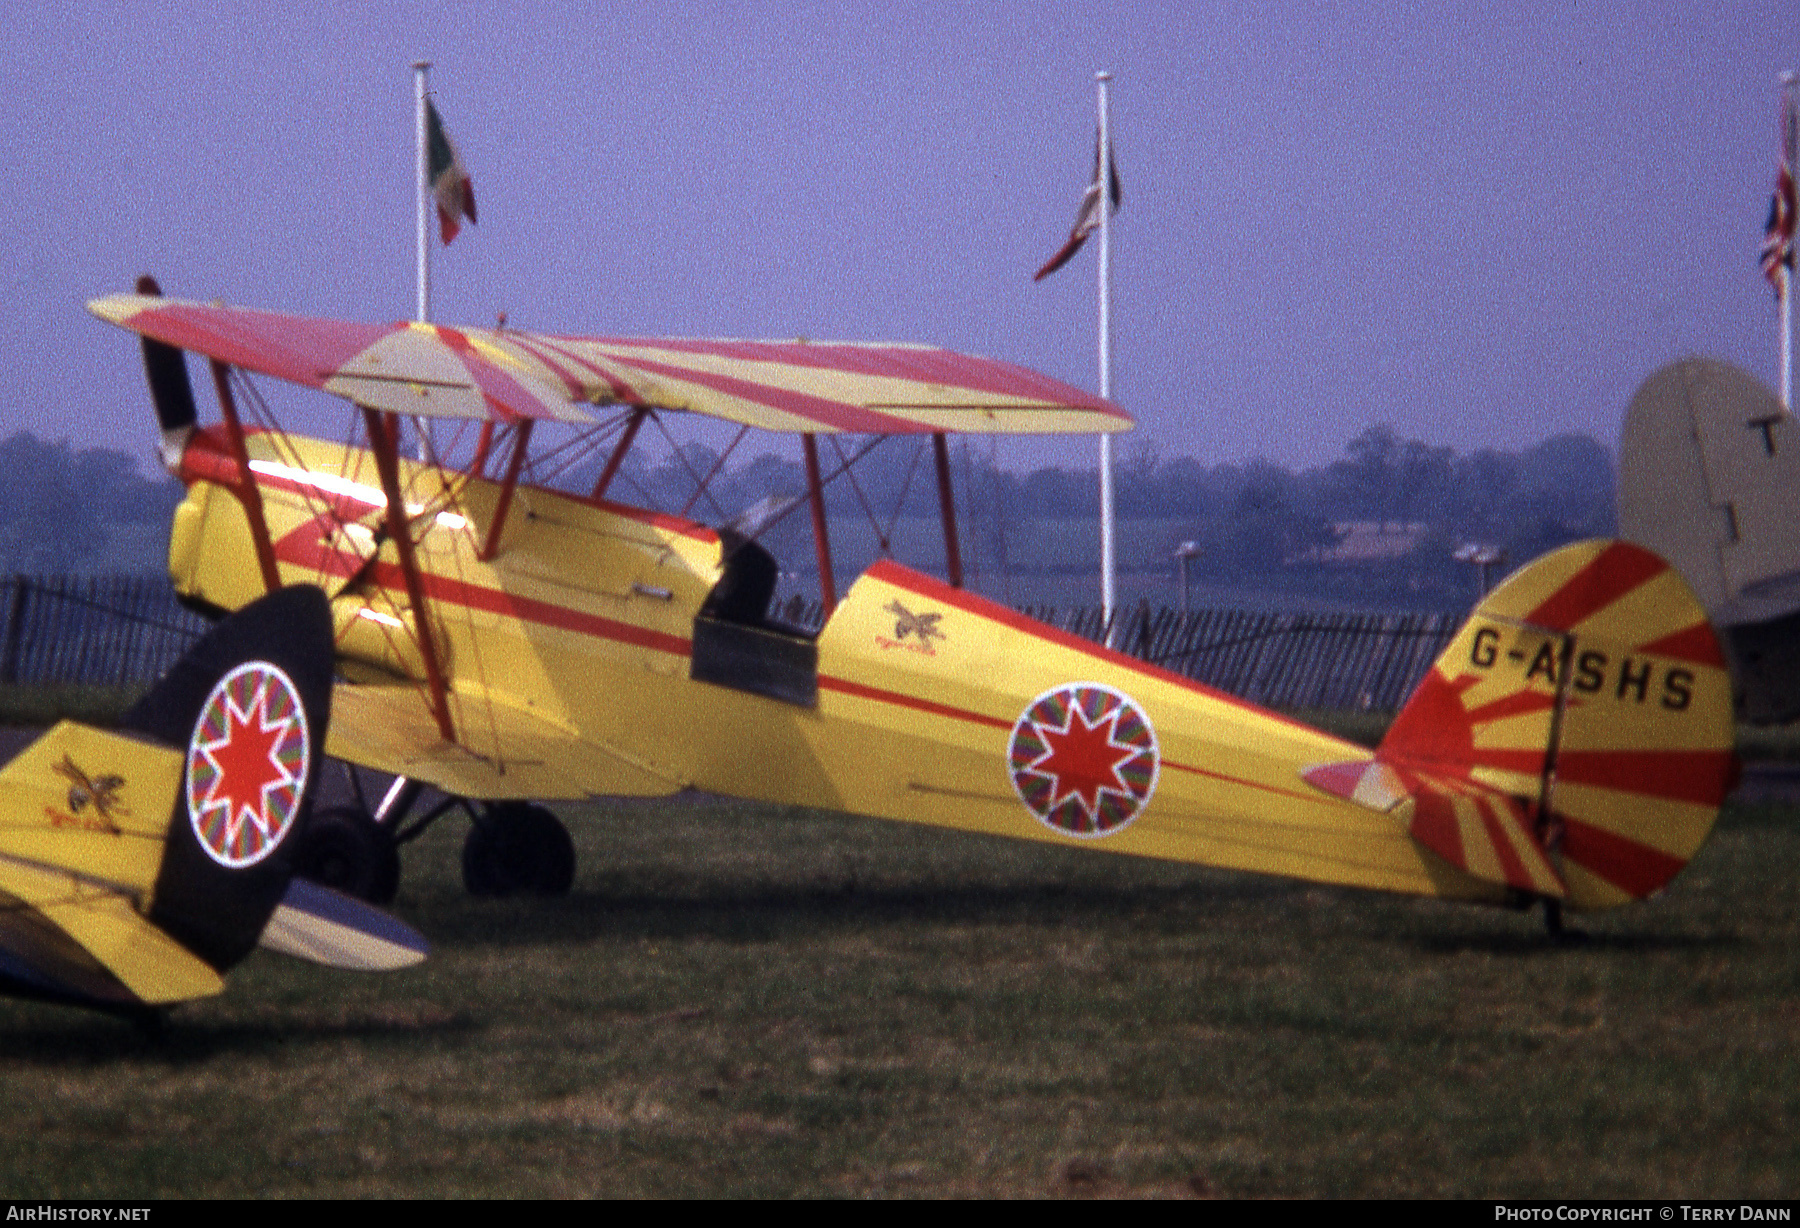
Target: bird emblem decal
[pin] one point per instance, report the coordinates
(906, 623)
(100, 792)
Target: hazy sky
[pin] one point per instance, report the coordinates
(1480, 225)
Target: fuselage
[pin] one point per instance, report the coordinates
(583, 658)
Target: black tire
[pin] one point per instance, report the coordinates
(347, 850)
(516, 848)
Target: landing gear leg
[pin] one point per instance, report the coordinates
(347, 850)
(516, 848)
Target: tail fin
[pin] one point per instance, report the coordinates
(1578, 732)
(137, 866)
(249, 704)
(1574, 741)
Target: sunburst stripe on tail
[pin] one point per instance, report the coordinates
(1481, 831)
(1522, 703)
(1702, 777)
(1698, 643)
(1612, 573)
(1636, 869)
(1434, 825)
(1521, 858)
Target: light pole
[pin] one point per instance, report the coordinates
(1184, 554)
(1483, 557)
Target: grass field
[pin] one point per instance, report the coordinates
(740, 1000)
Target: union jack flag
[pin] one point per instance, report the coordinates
(1087, 217)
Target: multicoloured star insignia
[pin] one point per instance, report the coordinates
(247, 764)
(1084, 759)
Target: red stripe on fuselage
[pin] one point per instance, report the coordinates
(890, 572)
(933, 708)
(1239, 780)
(213, 464)
(901, 699)
(303, 549)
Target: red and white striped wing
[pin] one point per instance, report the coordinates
(436, 371)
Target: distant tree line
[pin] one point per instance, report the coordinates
(1255, 522)
(61, 509)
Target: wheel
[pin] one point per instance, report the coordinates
(516, 848)
(347, 850)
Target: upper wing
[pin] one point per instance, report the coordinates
(435, 371)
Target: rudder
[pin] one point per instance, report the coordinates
(249, 704)
(1575, 739)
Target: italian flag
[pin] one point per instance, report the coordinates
(448, 176)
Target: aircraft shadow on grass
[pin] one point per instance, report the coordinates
(54, 1044)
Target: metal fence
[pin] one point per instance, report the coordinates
(1365, 662)
(104, 630)
(113, 630)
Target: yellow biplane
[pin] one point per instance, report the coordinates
(510, 643)
(139, 865)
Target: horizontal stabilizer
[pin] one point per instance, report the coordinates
(103, 924)
(1367, 782)
(1481, 831)
(327, 927)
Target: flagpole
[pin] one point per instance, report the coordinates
(422, 173)
(1789, 156)
(421, 176)
(1103, 179)
(1787, 339)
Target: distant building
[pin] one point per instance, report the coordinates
(1366, 541)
